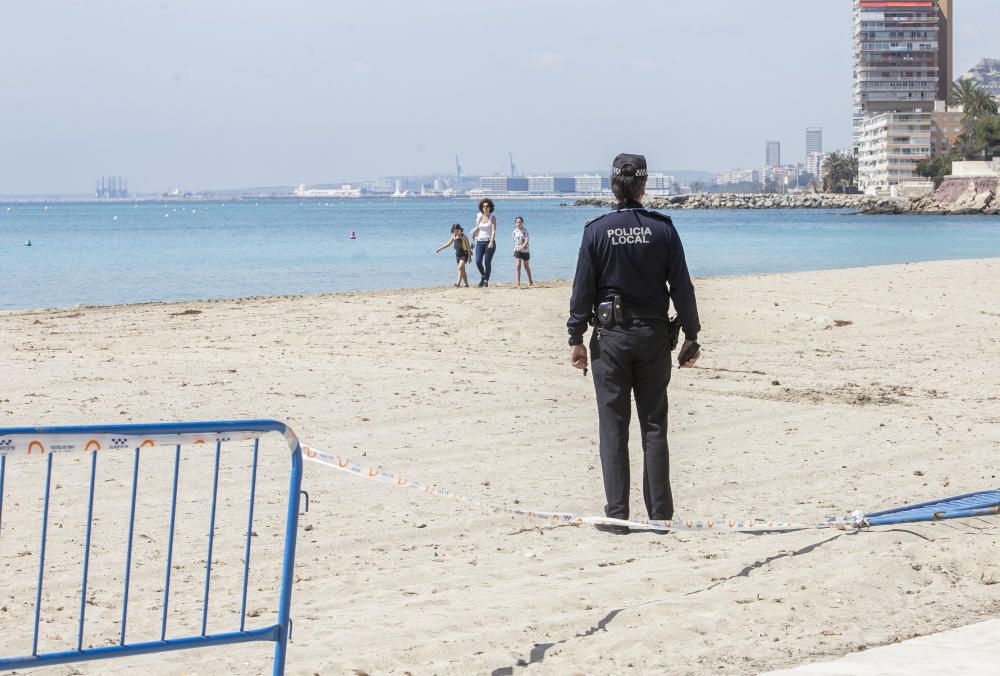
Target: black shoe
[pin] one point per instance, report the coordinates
(660, 532)
(612, 528)
(486, 283)
(482, 283)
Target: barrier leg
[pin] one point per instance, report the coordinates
(211, 538)
(288, 561)
(128, 551)
(41, 555)
(246, 553)
(86, 550)
(170, 543)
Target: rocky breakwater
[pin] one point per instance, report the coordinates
(954, 197)
(739, 201)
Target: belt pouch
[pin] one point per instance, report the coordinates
(606, 314)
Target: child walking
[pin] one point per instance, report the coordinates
(463, 253)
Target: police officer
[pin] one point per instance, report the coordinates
(631, 265)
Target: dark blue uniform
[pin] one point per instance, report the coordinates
(636, 254)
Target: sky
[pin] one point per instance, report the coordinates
(213, 94)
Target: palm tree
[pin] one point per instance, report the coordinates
(851, 169)
(981, 104)
(830, 172)
(962, 92)
(840, 173)
(974, 98)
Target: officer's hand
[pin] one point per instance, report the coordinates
(690, 362)
(578, 356)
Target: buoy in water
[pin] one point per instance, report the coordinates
(354, 235)
(27, 242)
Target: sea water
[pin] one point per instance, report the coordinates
(125, 252)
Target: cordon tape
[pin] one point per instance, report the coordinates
(852, 522)
(47, 443)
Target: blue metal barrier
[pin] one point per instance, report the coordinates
(981, 503)
(88, 439)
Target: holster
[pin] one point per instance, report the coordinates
(674, 332)
(610, 313)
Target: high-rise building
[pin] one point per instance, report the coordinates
(946, 58)
(902, 55)
(814, 140)
(772, 154)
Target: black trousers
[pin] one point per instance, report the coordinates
(633, 359)
(485, 254)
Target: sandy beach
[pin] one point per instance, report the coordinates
(818, 393)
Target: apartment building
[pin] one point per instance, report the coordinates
(736, 176)
(889, 147)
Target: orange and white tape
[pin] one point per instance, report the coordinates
(723, 524)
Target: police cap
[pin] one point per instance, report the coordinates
(629, 165)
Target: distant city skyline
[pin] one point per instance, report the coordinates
(225, 95)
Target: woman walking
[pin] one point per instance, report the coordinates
(463, 253)
(485, 234)
(521, 254)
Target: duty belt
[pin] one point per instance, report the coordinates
(613, 312)
(643, 314)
